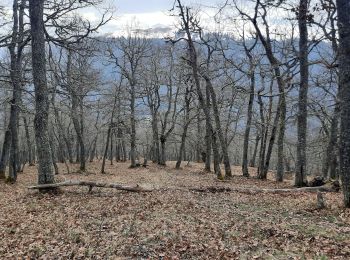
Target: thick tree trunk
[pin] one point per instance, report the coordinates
(45, 172)
(343, 7)
(5, 153)
(15, 49)
(300, 171)
(13, 126)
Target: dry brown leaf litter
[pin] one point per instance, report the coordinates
(174, 224)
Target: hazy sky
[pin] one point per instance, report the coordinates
(148, 13)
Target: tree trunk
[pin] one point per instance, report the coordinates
(111, 148)
(45, 172)
(93, 150)
(228, 173)
(280, 141)
(199, 138)
(53, 152)
(253, 159)
(343, 7)
(133, 128)
(155, 136)
(330, 163)
(162, 151)
(248, 125)
(29, 142)
(264, 128)
(5, 153)
(15, 49)
(300, 171)
(106, 149)
(208, 136)
(181, 155)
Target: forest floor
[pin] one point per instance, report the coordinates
(168, 224)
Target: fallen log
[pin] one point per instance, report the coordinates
(91, 184)
(211, 189)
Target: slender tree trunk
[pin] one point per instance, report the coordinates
(106, 149)
(228, 173)
(53, 152)
(29, 142)
(133, 128)
(343, 7)
(280, 141)
(156, 149)
(300, 171)
(331, 151)
(111, 148)
(208, 136)
(194, 64)
(45, 172)
(93, 149)
(199, 138)
(79, 129)
(162, 160)
(248, 125)
(181, 155)
(253, 159)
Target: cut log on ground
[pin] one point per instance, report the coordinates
(91, 184)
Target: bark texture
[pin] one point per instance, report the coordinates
(343, 7)
(45, 171)
(300, 171)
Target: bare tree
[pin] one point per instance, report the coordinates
(188, 27)
(134, 49)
